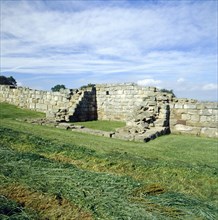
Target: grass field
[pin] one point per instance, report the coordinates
(102, 125)
(49, 173)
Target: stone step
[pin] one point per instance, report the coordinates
(152, 134)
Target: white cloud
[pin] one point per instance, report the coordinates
(149, 82)
(170, 42)
(129, 30)
(210, 86)
(180, 80)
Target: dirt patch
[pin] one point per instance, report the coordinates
(48, 206)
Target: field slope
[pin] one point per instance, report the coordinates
(49, 173)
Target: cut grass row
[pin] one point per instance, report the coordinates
(45, 206)
(9, 209)
(145, 184)
(190, 149)
(116, 162)
(105, 178)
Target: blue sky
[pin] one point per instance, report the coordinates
(167, 44)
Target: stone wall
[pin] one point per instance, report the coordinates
(144, 109)
(118, 101)
(193, 117)
(37, 100)
(61, 106)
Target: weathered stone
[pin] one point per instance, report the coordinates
(117, 102)
(182, 122)
(178, 105)
(186, 117)
(210, 132)
(187, 129)
(206, 112)
(190, 106)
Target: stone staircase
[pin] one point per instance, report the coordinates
(75, 102)
(64, 113)
(152, 133)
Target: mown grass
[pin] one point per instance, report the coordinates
(102, 125)
(10, 209)
(172, 177)
(13, 112)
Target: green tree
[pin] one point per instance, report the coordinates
(168, 91)
(8, 81)
(57, 88)
(87, 86)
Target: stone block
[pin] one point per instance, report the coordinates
(200, 106)
(178, 111)
(206, 112)
(186, 117)
(32, 105)
(195, 118)
(209, 132)
(187, 129)
(215, 112)
(55, 98)
(182, 122)
(64, 125)
(194, 123)
(192, 111)
(50, 114)
(152, 103)
(41, 107)
(177, 105)
(120, 92)
(190, 106)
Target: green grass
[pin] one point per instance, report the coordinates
(102, 125)
(172, 177)
(13, 112)
(12, 210)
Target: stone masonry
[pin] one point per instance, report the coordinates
(66, 105)
(193, 117)
(147, 112)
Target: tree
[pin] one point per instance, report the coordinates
(87, 86)
(57, 88)
(8, 81)
(168, 91)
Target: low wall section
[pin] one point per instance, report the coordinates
(37, 100)
(192, 117)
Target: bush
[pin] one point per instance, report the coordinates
(87, 86)
(57, 88)
(8, 81)
(168, 91)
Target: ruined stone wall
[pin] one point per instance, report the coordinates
(144, 109)
(79, 105)
(118, 101)
(37, 100)
(193, 117)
